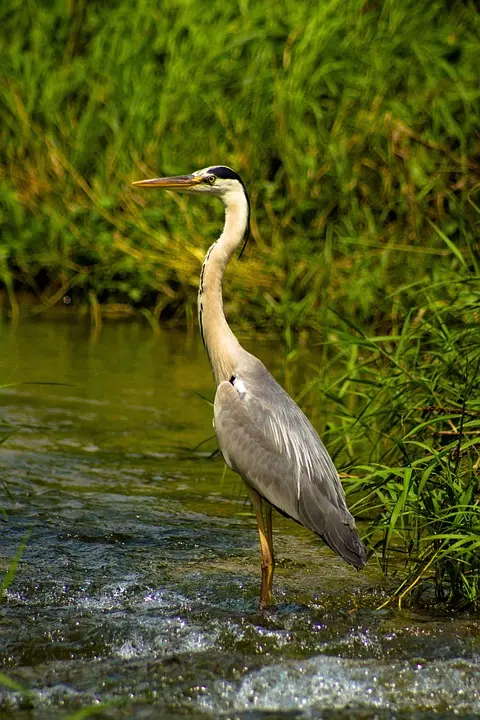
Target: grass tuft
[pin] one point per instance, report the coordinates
(416, 413)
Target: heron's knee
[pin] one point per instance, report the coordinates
(267, 562)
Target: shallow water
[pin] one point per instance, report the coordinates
(137, 593)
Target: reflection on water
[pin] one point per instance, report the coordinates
(137, 593)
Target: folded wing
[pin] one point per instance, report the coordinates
(265, 437)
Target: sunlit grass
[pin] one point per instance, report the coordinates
(354, 125)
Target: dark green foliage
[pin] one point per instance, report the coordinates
(416, 411)
(355, 126)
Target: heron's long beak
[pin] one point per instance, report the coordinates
(180, 182)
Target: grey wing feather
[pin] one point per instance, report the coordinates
(265, 437)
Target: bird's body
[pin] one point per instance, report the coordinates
(262, 433)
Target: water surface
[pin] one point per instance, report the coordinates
(137, 593)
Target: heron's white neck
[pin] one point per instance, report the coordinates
(221, 344)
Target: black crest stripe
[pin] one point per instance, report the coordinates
(226, 173)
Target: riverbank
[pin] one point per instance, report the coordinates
(354, 126)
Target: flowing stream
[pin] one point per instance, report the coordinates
(136, 595)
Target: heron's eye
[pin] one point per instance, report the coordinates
(210, 179)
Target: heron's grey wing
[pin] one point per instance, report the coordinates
(265, 437)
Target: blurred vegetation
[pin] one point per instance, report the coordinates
(354, 124)
(356, 127)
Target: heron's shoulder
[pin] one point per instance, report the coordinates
(262, 387)
(272, 407)
(254, 373)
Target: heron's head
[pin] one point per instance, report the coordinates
(218, 180)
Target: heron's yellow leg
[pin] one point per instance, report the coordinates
(269, 528)
(266, 547)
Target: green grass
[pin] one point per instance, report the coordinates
(356, 127)
(410, 402)
(11, 571)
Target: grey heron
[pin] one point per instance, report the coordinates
(262, 433)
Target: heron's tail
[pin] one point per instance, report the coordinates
(336, 527)
(345, 540)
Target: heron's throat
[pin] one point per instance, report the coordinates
(221, 344)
